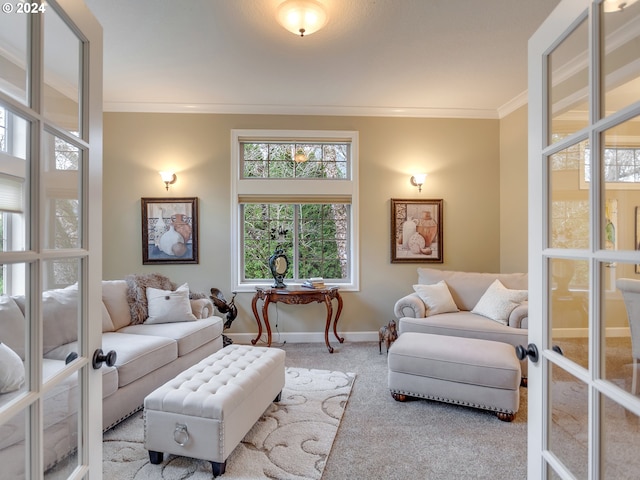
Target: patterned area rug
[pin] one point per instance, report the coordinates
(291, 440)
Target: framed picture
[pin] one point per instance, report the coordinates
(169, 230)
(416, 231)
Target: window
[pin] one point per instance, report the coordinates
(296, 190)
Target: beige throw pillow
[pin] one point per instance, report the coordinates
(167, 306)
(11, 370)
(437, 298)
(498, 302)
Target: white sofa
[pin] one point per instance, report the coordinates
(461, 320)
(148, 355)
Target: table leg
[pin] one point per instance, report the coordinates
(327, 302)
(265, 317)
(255, 313)
(335, 322)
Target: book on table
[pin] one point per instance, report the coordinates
(314, 282)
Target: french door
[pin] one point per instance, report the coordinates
(584, 236)
(51, 250)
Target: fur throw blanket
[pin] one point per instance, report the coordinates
(137, 293)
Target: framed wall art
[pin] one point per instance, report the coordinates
(169, 230)
(416, 231)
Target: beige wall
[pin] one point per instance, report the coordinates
(513, 192)
(462, 158)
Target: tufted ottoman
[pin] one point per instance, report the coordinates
(466, 371)
(206, 410)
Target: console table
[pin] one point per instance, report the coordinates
(297, 296)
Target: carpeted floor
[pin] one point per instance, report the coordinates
(291, 440)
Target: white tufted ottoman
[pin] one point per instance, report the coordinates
(207, 410)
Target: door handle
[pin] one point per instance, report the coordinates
(531, 351)
(99, 357)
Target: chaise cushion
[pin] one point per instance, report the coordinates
(12, 325)
(114, 297)
(11, 370)
(138, 355)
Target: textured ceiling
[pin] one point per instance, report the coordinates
(453, 58)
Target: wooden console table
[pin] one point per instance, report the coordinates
(297, 296)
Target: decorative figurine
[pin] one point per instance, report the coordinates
(225, 307)
(388, 334)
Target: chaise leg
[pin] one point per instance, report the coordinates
(506, 417)
(398, 397)
(218, 468)
(278, 397)
(524, 381)
(155, 457)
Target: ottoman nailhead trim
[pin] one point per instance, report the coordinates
(456, 402)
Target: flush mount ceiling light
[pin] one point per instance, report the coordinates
(616, 5)
(302, 17)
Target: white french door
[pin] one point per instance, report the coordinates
(584, 235)
(51, 250)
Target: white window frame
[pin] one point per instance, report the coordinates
(294, 188)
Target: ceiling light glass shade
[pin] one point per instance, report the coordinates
(300, 157)
(302, 17)
(616, 5)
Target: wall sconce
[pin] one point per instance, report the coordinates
(302, 16)
(417, 180)
(169, 178)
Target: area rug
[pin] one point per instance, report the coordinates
(291, 440)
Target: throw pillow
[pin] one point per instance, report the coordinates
(137, 293)
(498, 302)
(437, 298)
(166, 306)
(11, 370)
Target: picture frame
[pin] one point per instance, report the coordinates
(169, 230)
(416, 231)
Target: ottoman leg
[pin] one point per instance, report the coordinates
(506, 417)
(279, 397)
(398, 397)
(218, 468)
(155, 457)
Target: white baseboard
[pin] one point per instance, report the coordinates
(304, 337)
(584, 332)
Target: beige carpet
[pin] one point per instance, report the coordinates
(292, 440)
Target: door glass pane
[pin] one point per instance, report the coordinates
(61, 420)
(569, 202)
(568, 84)
(621, 172)
(14, 181)
(621, 59)
(569, 308)
(13, 453)
(620, 440)
(62, 49)
(61, 181)
(568, 432)
(14, 60)
(621, 335)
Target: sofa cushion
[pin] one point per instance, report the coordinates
(114, 297)
(468, 287)
(138, 355)
(11, 370)
(137, 293)
(12, 325)
(169, 306)
(436, 298)
(60, 317)
(188, 335)
(498, 302)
